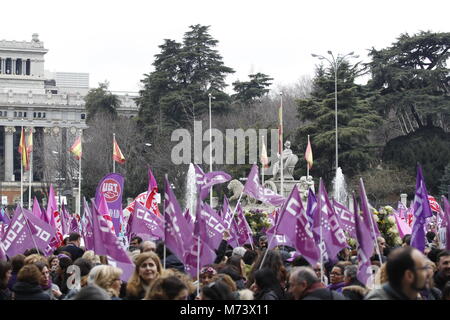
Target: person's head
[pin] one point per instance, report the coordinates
(53, 262)
(206, 274)
(443, 263)
(136, 241)
(225, 279)
(250, 257)
(167, 288)
(148, 267)
(266, 279)
(33, 258)
(262, 242)
(147, 246)
(381, 243)
(85, 266)
(216, 290)
(406, 240)
(92, 292)
(17, 262)
(5, 273)
(300, 261)
(350, 273)
(407, 270)
(92, 257)
(317, 269)
(74, 238)
(337, 274)
(33, 251)
(239, 251)
(64, 263)
(236, 261)
(30, 274)
(106, 277)
(45, 274)
(430, 236)
(300, 280)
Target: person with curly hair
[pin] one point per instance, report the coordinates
(27, 286)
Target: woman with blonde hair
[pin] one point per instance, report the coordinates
(148, 268)
(92, 257)
(108, 278)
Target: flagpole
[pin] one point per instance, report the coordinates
(164, 216)
(114, 162)
(198, 264)
(31, 175)
(307, 164)
(79, 175)
(210, 150)
(21, 170)
(262, 167)
(281, 143)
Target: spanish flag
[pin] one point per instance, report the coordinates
(264, 158)
(309, 155)
(117, 154)
(76, 148)
(23, 150)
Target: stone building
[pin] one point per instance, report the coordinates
(52, 106)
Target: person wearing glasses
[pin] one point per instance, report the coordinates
(407, 273)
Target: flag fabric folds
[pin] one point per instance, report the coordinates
(346, 218)
(421, 211)
(446, 213)
(205, 181)
(309, 155)
(23, 150)
(146, 224)
(76, 148)
(263, 157)
(117, 154)
(254, 189)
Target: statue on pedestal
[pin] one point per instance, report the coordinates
(289, 160)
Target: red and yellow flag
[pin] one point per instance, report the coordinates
(264, 158)
(309, 155)
(117, 154)
(23, 150)
(76, 148)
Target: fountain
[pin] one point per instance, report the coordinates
(191, 190)
(340, 188)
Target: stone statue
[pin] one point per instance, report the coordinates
(289, 160)
(237, 187)
(304, 185)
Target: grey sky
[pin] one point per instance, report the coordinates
(116, 40)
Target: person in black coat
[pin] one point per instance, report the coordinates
(27, 286)
(267, 285)
(5, 275)
(73, 246)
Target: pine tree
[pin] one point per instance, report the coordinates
(247, 92)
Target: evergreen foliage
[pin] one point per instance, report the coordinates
(101, 100)
(248, 92)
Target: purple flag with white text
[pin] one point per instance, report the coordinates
(254, 189)
(111, 188)
(228, 219)
(346, 218)
(243, 230)
(146, 224)
(205, 181)
(446, 213)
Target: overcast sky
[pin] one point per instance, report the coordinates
(116, 40)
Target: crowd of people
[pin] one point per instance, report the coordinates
(241, 273)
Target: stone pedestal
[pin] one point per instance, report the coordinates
(404, 199)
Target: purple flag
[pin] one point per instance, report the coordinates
(147, 224)
(205, 181)
(74, 225)
(243, 230)
(214, 226)
(402, 226)
(367, 215)
(446, 213)
(105, 241)
(287, 221)
(421, 211)
(304, 242)
(277, 239)
(346, 218)
(111, 188)
(87, 231)
(228, 221)
(365, 246)
(327, 225)
(37, 211)
(4, 216)
(254, 189)
(190, 257)
(151, 181)
(177, 232)
(187, 215)
(65, 217)
(402, 210)
(311, 207)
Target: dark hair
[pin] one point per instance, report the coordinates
(300, 261)
(217, 290)
(17, 262)
(84, 265)
(64, 262)
(41, 265)
(4, 268)
(398, 263)
(166, 288)
(235, 261)
(232, 271)
(266, 280)
(139, 239)
(272, 261)
(430, 236)
(407, 239)
(444, 253)
(250, 257)
(446, 291)
(31, 251)
(29, 273)
(74, 236)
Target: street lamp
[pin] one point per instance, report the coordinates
(335, 64)
(210, 147)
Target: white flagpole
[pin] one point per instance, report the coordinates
(262, 167)
(79, 172)
(307, 164)
(210, 150)
(281, 142)
(21, 171)
(31, 175)
(114, 143)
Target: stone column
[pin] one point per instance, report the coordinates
(9, 153)
(13, 66)
(1, 65)
(24, 66)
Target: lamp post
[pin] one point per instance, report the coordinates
(210, 148)
(335, 64)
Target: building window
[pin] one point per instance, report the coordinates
(24, 114)
(28, 67)
(1, 114)
(34, 114)
(83, 116)
(43, 115)
(18, 66)
(15, 114)
(8, 65)
(5, 113)
(1, 65)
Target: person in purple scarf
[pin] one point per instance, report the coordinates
(337, 278)
(46, 282)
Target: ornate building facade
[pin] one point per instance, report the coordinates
(49, 104)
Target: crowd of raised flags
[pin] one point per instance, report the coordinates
(318, 230)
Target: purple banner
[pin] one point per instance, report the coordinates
(254, 189)
(111, 187)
